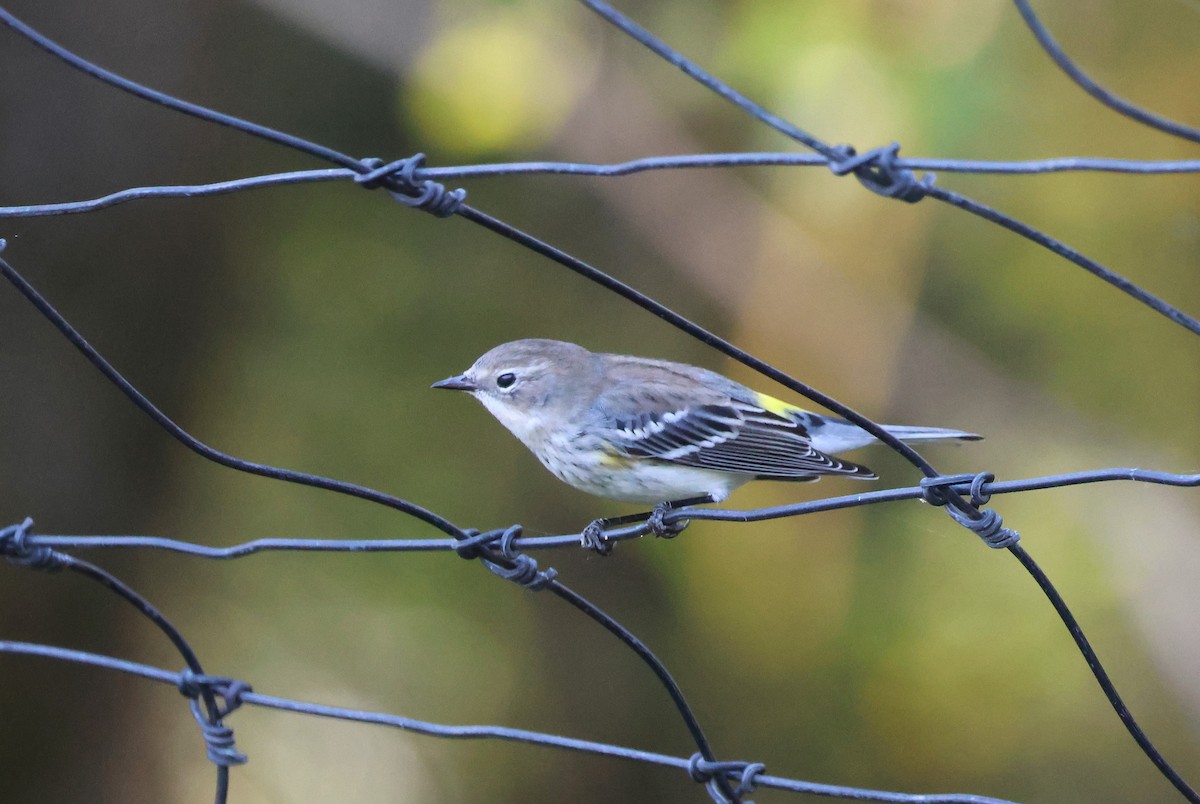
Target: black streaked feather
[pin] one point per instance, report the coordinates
(733, 437)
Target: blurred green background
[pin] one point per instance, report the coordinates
(880, 647)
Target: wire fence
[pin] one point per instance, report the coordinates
(505, 551)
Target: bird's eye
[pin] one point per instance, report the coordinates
(506, 380)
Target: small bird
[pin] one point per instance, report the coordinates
(640, 430)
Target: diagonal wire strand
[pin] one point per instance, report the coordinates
(196, 445)
(1102, 678)
(163, 99)
(836, 154)
(1109, 99)
(1067, 253)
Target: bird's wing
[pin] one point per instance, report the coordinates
(748, 433)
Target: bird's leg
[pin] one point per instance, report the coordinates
(593, 537)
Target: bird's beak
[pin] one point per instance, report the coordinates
(457, 383)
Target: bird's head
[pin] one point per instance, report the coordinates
(527, 383)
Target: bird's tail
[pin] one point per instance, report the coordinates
(905, 433)
(832, 435)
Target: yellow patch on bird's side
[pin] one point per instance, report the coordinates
(777, 406)
(612, 460)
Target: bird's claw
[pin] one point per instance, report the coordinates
(660, 527)
(593, 538)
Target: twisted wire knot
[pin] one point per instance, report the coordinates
(496, 550)
(14, 546)
(189, 684)
(979, 495)
(706, 772)
(472, 543)
(877, 171)
(399, 179)
(986, 524)
(218, 737)
(218, 740)
(524, 572)
(937, 490)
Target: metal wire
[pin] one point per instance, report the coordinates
(502, 551)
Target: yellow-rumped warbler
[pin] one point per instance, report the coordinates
(652, 431)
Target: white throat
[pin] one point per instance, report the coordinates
(519, 424)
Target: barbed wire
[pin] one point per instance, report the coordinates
(410, 182)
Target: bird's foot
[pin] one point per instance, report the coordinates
(660, 527)
(595, 535)
(593, 538)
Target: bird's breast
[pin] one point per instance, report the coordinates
(589, 467)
